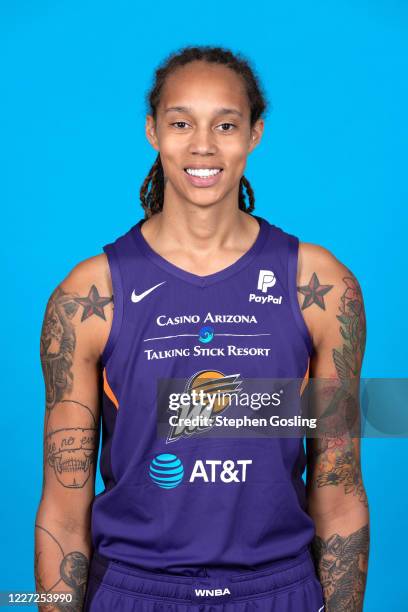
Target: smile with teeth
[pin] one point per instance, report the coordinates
(203, 172)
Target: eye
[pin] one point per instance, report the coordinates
(227, 124)
(179, 124)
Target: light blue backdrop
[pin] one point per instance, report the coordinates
(330, 169)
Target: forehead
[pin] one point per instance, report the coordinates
(203, 86)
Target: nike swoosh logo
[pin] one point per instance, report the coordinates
(137, 298)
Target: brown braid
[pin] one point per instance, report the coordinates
(152, 189)
(245, 183)
(152, 201)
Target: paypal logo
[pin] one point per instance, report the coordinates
(266, 279)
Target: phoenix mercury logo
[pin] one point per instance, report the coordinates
(213, 390)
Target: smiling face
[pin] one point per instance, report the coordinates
(203, 133)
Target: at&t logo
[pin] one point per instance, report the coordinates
(167, 471)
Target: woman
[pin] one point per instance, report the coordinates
(208, 298)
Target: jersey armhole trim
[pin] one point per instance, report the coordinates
(117, 290)
(293, 251)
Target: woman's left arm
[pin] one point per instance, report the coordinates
(332, 304)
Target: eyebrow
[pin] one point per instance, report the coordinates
(219, 111)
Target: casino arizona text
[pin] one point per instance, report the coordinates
(164, 320)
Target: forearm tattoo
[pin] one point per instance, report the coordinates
(71, 451)
(56, 571)
(58, 340)
(341, 564)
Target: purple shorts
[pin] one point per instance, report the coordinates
(284, 586)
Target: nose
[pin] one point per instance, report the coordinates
(202, 142)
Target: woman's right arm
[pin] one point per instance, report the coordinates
(75, 329)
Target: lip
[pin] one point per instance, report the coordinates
(206, 166)
(207, 181)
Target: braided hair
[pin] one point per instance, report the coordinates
(152, 189)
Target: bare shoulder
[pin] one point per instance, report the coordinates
(83, 303)
(325, 285)
(93, 270)
(313, 256)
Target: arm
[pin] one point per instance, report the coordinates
(333, 309)
(75, 329)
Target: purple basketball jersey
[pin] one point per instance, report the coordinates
(176, 498)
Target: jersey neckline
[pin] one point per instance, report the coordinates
(196, 279)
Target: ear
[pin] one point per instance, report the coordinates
(256, 134)
(150, 129)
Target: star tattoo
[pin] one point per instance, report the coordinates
(314, 292)
(93, 304)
